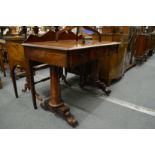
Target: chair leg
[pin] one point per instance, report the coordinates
(26, 85)
(3, 69)
(14, 81)
(63, 77)
(66, 71)
(32, 85)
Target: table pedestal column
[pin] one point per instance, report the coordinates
(56, 103)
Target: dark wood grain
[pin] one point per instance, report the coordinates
(142, 47)
(50, 35)
(66, 34)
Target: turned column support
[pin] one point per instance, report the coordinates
(56, 104)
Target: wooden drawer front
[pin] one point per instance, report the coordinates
(50, 57)
(79, 57)
(107, 51)
(96, 53)
(100, 52)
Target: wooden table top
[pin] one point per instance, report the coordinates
(70, 44)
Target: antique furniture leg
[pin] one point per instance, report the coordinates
(150, 52)
(97, 83)
(31, 82)
(63, 77)
(92, 79)
(27, 87)
(13, 77)
(3, 69)
(20, 72)
(2, 64)
(56, 104)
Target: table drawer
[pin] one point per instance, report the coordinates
(81, 57)
(78, 58)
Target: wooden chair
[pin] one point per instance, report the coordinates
(16, 57)
(15, 53)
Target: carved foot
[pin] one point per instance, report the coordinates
(102, 86)
(150, 53)
(63, 111)
(26, 87)
(38, 97)
(97, 84)
(107, 91)
(145, 58)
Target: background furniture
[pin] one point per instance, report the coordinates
(113, 64)
(16, 57)
(141, 49)
(152, 43)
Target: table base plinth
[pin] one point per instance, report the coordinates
(61, 110)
